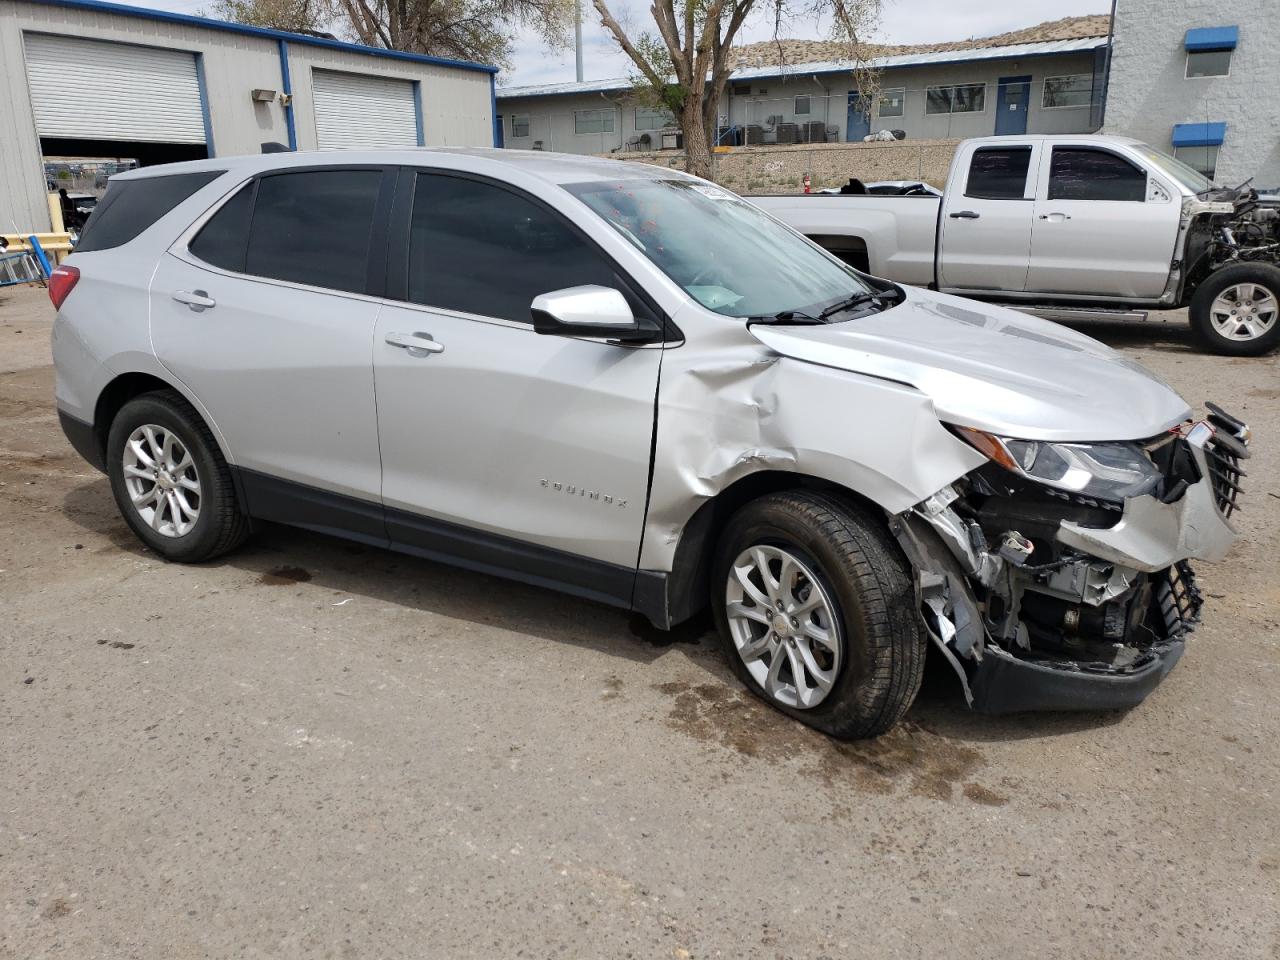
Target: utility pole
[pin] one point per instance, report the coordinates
(577, 37)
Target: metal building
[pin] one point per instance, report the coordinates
(82, 78)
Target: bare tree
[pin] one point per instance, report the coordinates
(479, 30)
(685, 64)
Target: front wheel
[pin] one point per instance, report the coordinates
(1236, 311)
(815, 605)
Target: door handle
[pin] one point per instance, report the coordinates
(197, 300)
(1055, 217)
(964, 215)
(418, 344)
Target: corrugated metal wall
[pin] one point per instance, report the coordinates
(456, 108)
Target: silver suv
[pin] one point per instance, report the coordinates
(631, 385)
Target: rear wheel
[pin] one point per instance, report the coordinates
(1236, 311)
(816, 609)
(170, 481)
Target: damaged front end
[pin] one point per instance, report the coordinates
(1057, 576)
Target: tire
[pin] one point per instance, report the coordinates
(874, 671)
(1257, 287)
(219, 524)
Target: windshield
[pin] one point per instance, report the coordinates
(726, 253)
(1189, 177)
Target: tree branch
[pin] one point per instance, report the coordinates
(627, 46)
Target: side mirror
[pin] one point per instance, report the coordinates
(588, 311)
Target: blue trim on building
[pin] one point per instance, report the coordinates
(1199, 134)
(417, 113)
(186, 20)
(1212, 38)
(204, 106)
(493, 110)
(286, 87)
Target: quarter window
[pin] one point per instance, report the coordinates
(653, 118)
(962, 98)
(1074, 91)
(519, 125)
(892, 102)
(477, 248)
(1082, 173)
(223, 239)
(1208, 63)
(998, 173)
(593, 121)
(314, 228)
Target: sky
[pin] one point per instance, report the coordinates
(902, 21)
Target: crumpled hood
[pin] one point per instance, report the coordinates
(993, 368)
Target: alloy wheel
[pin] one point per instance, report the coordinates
(783, 625)
(161, 479)
(1244, 311)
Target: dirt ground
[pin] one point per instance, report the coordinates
(315, 749)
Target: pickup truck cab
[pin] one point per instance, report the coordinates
(1063, 224)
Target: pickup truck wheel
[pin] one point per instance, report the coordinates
(816, 608)
(170, 481)
(1236, 311)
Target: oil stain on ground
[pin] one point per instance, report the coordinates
(908, 757)
(283, 576)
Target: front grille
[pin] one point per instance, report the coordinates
(1225, 474)
(1179, 600)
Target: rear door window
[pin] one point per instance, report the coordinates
(998, 173)
(131, 206)
(314, 227)
(1083, 173)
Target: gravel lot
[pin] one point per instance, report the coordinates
(315, 749)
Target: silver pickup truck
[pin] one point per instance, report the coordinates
(1069, 226)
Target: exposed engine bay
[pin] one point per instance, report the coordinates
(1227, 227)
(1045, 597)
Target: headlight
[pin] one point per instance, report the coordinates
(1111, 471)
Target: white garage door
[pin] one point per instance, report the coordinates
(95, 90)
(355, 111)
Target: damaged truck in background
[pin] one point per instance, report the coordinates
(1069, 227)
(634, 386)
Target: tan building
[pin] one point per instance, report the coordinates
(1044, 79)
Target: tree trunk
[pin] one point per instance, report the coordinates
(697, 145)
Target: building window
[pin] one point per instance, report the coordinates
(741, 90)
(653, 118)
(519, 125)
(961, 98)
(593, 121)
(1202, 159)
(1074, 91)
(1209, 50)
(892, 102)
(802, 106)
(1208, 63)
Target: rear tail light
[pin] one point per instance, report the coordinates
(61, 282)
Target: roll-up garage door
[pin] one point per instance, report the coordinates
(97, 90)
(355, 111)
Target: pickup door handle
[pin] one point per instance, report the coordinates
(964, 215)
(1055, 217)
(197, 300)
(418, 344)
